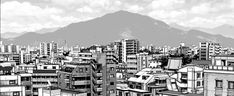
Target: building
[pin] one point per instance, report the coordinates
(132, 65)
(25, 57)
(189, 79)
(214, 49)
(110, 61)
(204, 51)
(10, 86)
(208, 49)
(26, 81)
(40, 79)
(48, 49)
(218, 77)
(143, 60)
(83, 77)
(129, 47)
(147, 82)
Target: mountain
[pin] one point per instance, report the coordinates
(11, 35)
(119, 25)
(174, 25)
(225, 30)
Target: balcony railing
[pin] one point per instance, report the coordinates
(99, 81)
(224, 68)
(99, 74)
(99, 89)
(81, 82)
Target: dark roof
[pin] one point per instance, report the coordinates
(7, 68)
(44, 71)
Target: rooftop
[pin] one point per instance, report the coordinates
(168, 92)
(224, 56)
(44, 71)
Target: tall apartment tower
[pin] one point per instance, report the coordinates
(208, 49)
(204, 51)
(129, 47)
(109, 61)
(48, 48)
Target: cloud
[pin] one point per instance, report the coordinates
(85, 9)
(35, 15)
(165, 4)
(23, 16)
(134, 8)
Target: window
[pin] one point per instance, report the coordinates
(198, 83)
(112, 83)
(45, 67)
(16, 94)
(80, 69)
(230, 84)
(145, 77)
(112, 91)
(86, 69)
(219, 83)
(184, 75)
(112, 68)
(11, 82)
(112, 75)
(54, 67)
(28, 87)
(198, 75)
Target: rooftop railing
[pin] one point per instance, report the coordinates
(223, 68)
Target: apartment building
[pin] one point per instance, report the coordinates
(147, 82)
(109, 76)
(208, 49)
(10, 86)
(129, 47)
(218, 77)
(132, 65)
(189, 79)
(26, 81)
(83, 77)
(40, 78)
(48, 49)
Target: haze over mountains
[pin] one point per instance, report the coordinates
(225, 30)
(10, 35)
(119, 25)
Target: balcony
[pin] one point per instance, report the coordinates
(218, 91)
(182, 84)
(81, 82)
(99, 74)
(26, 83)
(99, 81)
(223, 68)
(99, 89)
(44, 79)
(87, 90)
(66, 80)
(230, 92)
(81, 74)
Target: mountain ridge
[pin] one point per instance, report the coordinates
(120, 25)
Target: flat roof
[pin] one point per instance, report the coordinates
(169, 92)
(44, 71)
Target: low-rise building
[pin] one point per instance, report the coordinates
(10, 86)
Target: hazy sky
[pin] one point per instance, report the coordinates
(32, 15)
